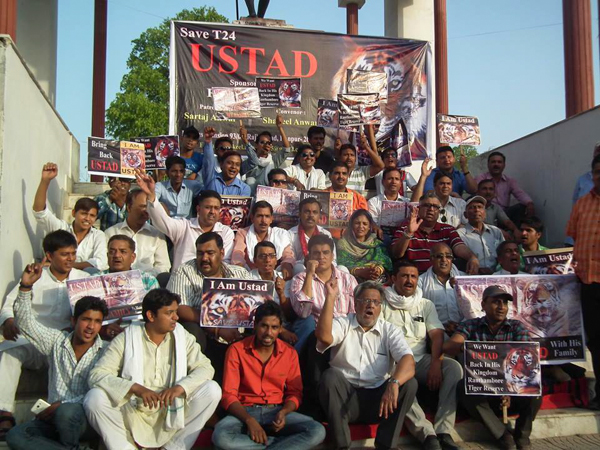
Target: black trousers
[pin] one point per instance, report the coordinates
(590, 304)
(345, 404)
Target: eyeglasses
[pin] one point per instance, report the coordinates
(266, 256)
(265, 142)
(430, 206)
(278, 181)
(443, 213)
(224, 149)
(443, 256)
(308, 155)
(368, 302)
(391, 156)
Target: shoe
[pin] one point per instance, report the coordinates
(507, 442)
(447, 442)
(431, 443)
(523, 444)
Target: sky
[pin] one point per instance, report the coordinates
(505, 59)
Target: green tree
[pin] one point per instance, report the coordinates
(470, 152)
(142, 106)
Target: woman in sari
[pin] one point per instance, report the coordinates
(361, 251)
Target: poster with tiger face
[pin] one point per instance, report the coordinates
(231, 303)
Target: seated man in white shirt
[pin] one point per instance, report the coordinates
(154, 378)
(481, 238)
(187, 282)
(417, 319)
(304, 175)
(359, 386)
(50, 306)
(183, 233)
(437, 284)
(309, 214)
(70, 356)
(392, 180)
(91, 242)
(151, 251)
(177, 194)
(509, 259)
(261, 230)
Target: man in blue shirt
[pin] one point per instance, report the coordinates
(226, 181)
(461, 181)
(177, 194)
(193, 160)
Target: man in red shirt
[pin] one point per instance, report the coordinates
(262, 388)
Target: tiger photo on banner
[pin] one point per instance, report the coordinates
(230, 303)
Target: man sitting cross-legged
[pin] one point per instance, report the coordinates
(261, 230)
(71, 356)
(50, 304)
(154, 378)
(494, 326)
(261, 390)
(358, 387)
(416, 317)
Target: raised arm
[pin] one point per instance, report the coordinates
(49, 172)
(279, 124)
(401, 244)
(419, 189)
(323, 331)
(209, 164)
(371, 147)
(471, 184)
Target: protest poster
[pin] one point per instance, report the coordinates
(279, 92)
(209, 55)
(230, 303)
(323, 199)
(328, 115)
(393, 213)
(236, 103)
(284, 202)
(404, 157)
(340, 209)
(503, 368)
(158, 149)
(549, 307)
(552, 261)
(123, 293)
(112, 158)
(367, 82)
(461, 130)
(358, 109)
(235, 211)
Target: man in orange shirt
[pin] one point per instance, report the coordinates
(584, 228)
(339, 180)
(262, 388)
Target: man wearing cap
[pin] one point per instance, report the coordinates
(481, 238)
(494, 326)
(193, 160)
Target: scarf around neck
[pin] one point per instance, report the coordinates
(398, 301)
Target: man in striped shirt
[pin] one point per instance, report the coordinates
(414, 239)
(71, 356)
(584, 228)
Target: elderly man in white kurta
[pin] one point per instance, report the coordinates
(153, 387)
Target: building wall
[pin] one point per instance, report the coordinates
(547, 164)
(31, 134)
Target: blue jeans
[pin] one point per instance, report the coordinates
(303, 328)
(61, 432)
(300, 432)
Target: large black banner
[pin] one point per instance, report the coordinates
(209, 55)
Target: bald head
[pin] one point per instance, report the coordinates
(441, 259)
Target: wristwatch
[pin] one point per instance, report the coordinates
(393, 380)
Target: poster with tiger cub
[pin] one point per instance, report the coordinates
(230, 303)
(503, 368)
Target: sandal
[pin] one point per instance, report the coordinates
(4, 430)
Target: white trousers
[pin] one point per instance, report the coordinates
(11, 363)
(108, 420)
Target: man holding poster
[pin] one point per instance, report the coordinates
(494, 326)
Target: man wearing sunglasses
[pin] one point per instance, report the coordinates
(417, 235)
(303, 174)
(278, 178)
(262, 159)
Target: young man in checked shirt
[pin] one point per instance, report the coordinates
(71, 356)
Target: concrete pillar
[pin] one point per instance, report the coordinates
(8, 18)
(409, 19)
(37, 30)
(352, 7)
(579, 74)
(441, 57)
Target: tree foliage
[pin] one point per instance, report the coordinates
(142, 106)
(470, 152)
